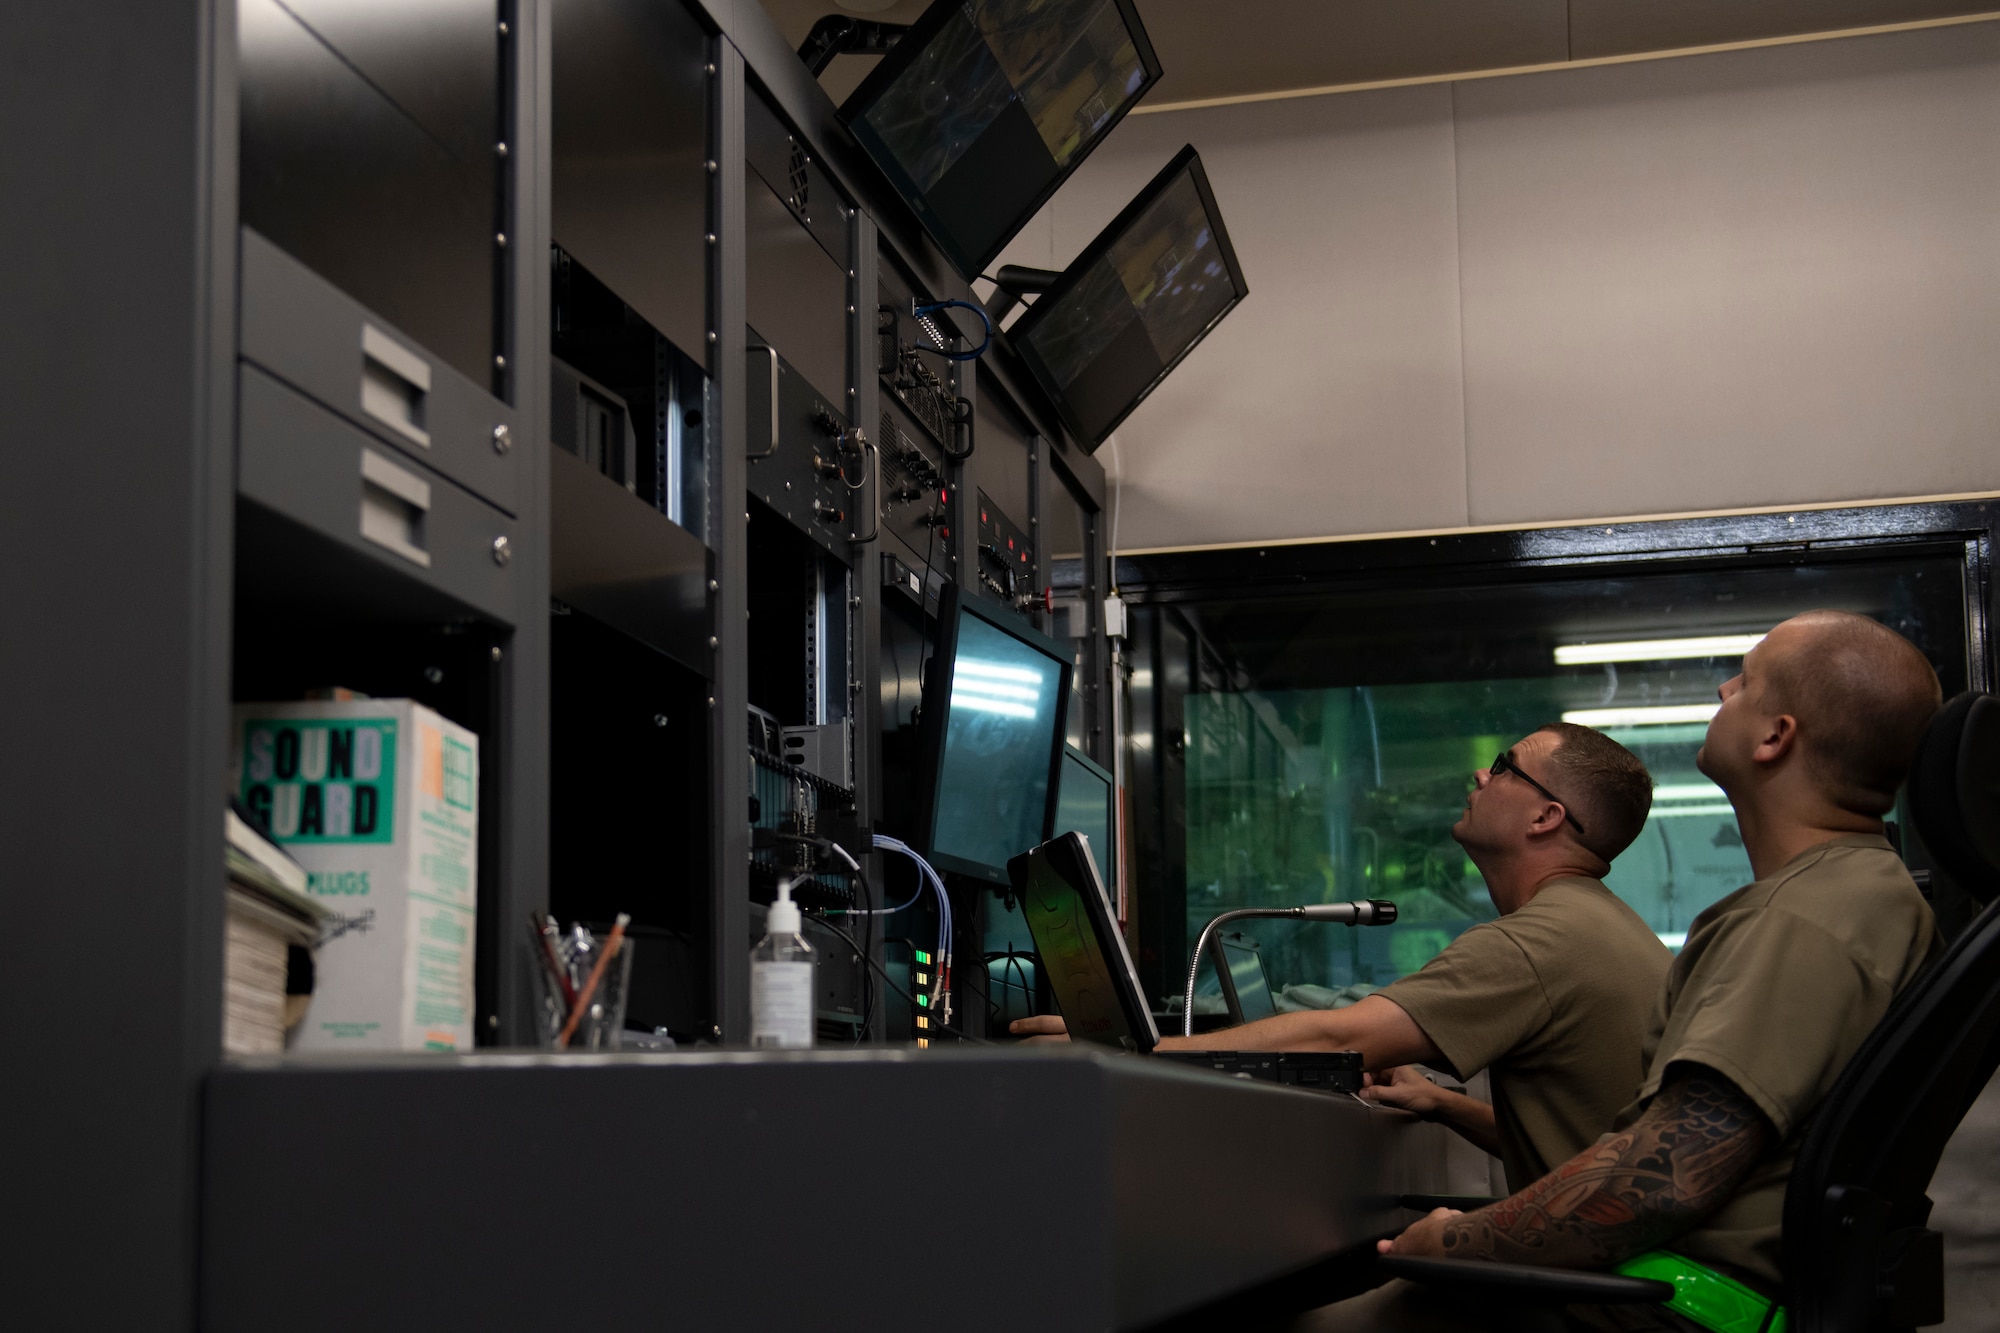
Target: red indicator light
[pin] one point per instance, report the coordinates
(982, 516)
(944, 497)
(1024, 557)
(1010, 543)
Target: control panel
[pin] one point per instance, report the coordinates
(808, 462)
(916, 494)
(1007, 559)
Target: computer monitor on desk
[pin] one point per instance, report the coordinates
(994, 696)
(1085, 804)
(1245, 987)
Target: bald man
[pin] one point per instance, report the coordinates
(1552, 998)
(1776, 988)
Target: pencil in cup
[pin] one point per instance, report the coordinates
(614, 945)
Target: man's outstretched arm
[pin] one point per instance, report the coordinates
(1659, 1178)
(1376, 1027)
(1469, 1117)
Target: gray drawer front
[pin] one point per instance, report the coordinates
(307, 332)
(298, 458)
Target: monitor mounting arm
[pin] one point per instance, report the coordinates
(839, 35)
(1013, 282)
(1367, 912)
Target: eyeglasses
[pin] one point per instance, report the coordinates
(1504, 763)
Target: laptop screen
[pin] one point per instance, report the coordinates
(1083, 955)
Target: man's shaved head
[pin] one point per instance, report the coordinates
(1862, 694)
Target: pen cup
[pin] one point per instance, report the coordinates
(603, 1020)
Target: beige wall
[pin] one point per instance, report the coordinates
(1763, 277)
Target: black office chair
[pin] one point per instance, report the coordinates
(1858, 1255)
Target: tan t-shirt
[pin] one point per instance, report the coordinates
(1777, 986)
(1553, 998)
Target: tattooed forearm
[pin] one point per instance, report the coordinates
(1672, 1167)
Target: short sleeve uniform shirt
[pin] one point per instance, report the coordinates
(1776, 988)
(1554, 998)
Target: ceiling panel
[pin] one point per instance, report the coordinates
(1626, 27)
(1214, 49)
(1242, 48)
(1210, 48)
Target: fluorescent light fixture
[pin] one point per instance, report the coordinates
(1688, 791)
(1673, 939)
(1658, 716)
(1656, 650)
(1684, 811)
(1681, 733)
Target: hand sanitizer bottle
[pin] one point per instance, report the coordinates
(781, 979)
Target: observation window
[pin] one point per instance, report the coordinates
(1320, 747)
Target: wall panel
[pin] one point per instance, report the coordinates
(1745, 279)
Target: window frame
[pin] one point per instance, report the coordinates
(1166, 656)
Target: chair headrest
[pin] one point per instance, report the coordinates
(1954, 794)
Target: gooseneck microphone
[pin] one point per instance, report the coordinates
(1367, 912)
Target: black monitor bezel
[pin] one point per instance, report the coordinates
(936, 719)
(1110, 811)
(1144, 1033)
(1187, 160)
(904, 54)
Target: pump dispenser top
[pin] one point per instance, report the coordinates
(782, 917)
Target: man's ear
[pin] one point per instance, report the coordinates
(1778, 737)
(1548, 819)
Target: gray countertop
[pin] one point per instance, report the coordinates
(1042, 1188)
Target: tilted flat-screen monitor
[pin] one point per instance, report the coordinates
(993, 705)
(1084, 805)
(1134, 303)
(984, 107)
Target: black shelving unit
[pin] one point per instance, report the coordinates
(253, 457)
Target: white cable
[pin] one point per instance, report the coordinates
(1117, 485)
(855, 866)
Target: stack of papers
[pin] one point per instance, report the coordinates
(267, 912)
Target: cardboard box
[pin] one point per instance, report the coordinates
(379, 800)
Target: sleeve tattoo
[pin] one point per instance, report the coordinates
(1660, 1177)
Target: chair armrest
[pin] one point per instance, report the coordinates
(1465, 1203)
(1523, 1282)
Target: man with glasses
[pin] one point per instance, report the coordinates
(1553, 997)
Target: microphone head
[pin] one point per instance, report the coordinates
(1382, 912)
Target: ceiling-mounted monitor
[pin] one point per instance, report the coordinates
(1134, 303)
(984, 108)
